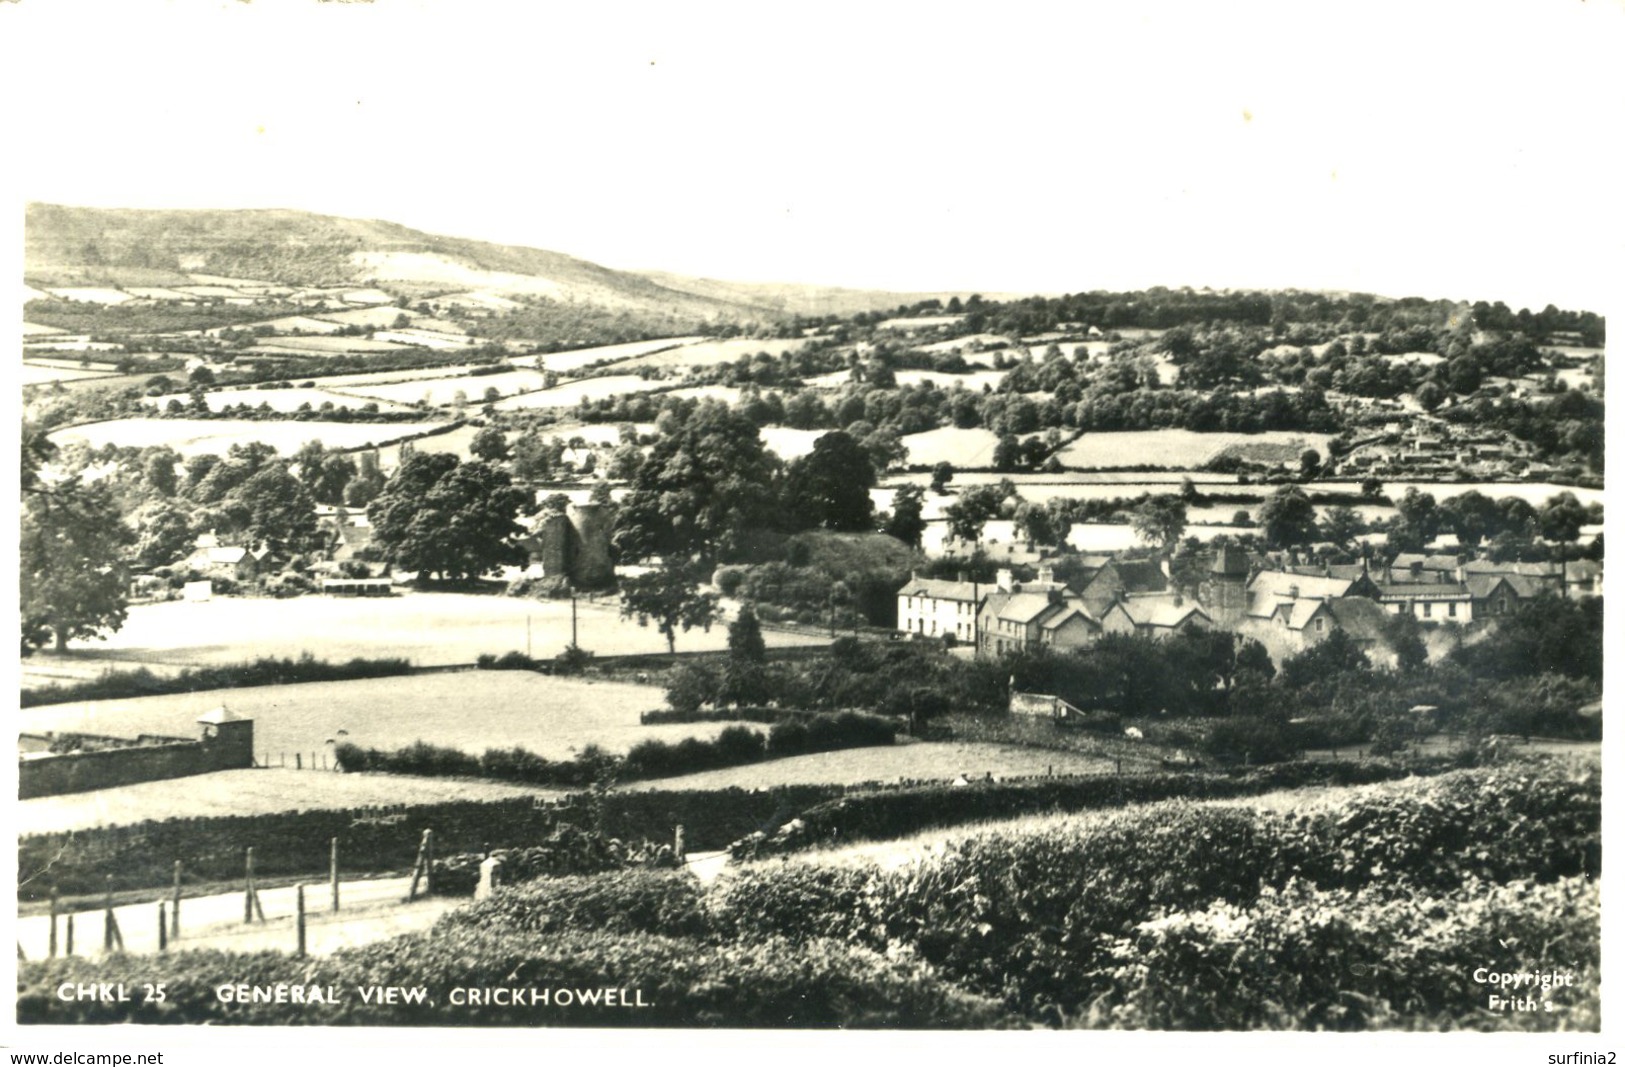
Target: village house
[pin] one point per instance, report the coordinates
(1120, 578)
(216, 560)
(932, 607)
(1158, 616)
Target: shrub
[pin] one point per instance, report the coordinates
(1308, 959)
(648, 901)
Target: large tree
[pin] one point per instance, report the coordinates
(1160, 519)
(907, 522)
(671, 598)
(74, 582)
(440, 517)
(1288, 517)
(275, 510)
(703, 485)
(829, 487)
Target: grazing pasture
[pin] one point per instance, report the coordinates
(91, 295)
(42, 374)
(260, 791)
(470, 710)
(430, 629)
(192, 437)
(444, 390)
(942, 760)
(577, 358)
(790, 443)
(949, 444)
(713, 353)
(321, 346)
(31, 329)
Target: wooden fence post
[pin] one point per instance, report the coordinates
(163, 928)
(300, 897)
(298, 761)
(111, 934)
(333, 869)
(53, 922)
(69, 947)
(251, 893)
(175, 907)
(419, 867)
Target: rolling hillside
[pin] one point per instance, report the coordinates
(124, 247)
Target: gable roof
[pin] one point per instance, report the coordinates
(1482, 586)
(1067, 613)
(1424, 591)
(1269, 588)
(1024, 607)
(941, 589)
(1165, 610)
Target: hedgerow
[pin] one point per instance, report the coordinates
(1029, 915)
(682, 982)
(266, 670)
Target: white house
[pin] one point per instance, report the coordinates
(933, 607)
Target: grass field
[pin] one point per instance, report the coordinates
(191, 437)
(261, 791)
(39, 374)
(444, 390)
(470, 710)
(280, 400)
(570, 394)
(576, 358)
(920, 760)
(318, 346)
(711, 353)
(949, 444)
(1184, 448)
(430, 629)
(790, 443)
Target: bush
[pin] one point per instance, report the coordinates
(573, 660)
(1399, 964)
(646, 901)
(683, 983)
(1251, 739)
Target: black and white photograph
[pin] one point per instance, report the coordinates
(546, 520)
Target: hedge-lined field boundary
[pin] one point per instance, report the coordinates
(267, 670)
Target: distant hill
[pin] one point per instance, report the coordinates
(119, 246)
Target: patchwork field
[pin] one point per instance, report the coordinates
(430, 629)
(91, 295)
(470, 710)
(191, 437)
(1184, 448)
(916, 760)
(261, 791)
(570, 394)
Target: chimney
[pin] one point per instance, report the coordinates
(1179, 601)
(1167, 567)
(1046, 574)
(1005, 580)
(1292, 591)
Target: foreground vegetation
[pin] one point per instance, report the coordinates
(1370, 912)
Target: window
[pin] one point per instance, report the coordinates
(1427, 610)
(1501, 606)
(1320, 626)
(1452, 611)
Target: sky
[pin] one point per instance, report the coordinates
(1461, 150)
